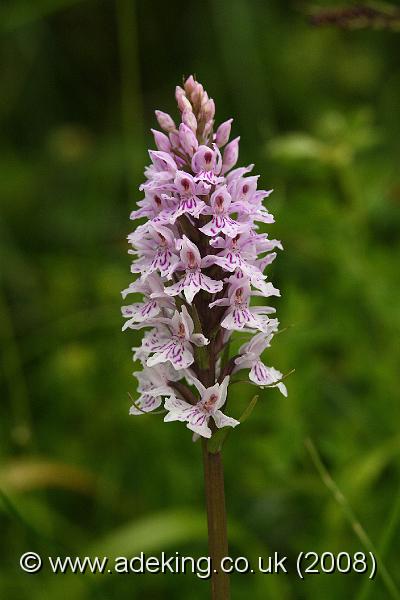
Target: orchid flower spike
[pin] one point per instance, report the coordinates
(199, 256)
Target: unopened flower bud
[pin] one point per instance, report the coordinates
(187, 139)
(231, 154)
(204, 99)
(174, 139)
(190, 120)
(183, 102)
(223, 133)
(207, 129)
(209, 110)
(189, 85)
(197, 94)
(161, 140)
(165, 121)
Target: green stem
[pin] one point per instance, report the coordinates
(216, 519)
(352, 519)
(386, 539)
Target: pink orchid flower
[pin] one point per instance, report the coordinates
(155, 299)
(174, 343)
(153, 385)
(250, 359)
(239, 314)
(188, 203)
(193, 280)
(207, 164)
(198, 415)
(221, 206)
(157, 252)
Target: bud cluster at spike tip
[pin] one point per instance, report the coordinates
(199, 259)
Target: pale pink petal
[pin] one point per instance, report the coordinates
(173, 351)
(238, 318)
(223, 389)
(213, 227)
(146, 403)
(176, 288)
(211, 285)
(231, 228)
(262, 375)
(201, 430)
(222, 420)
(187, 322)
(197, 421)
(189, 253)
(178, 409)
(191, 285)
(220, 302)
(139, 312)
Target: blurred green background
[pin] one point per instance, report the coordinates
(317, 111)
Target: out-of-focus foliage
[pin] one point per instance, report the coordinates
(317, 110)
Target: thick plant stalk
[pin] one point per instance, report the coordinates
(216, 520)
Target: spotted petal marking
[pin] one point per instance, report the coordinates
(139, 312)
(221, 224)
(174, 351)
(146, 403)
(192, 282)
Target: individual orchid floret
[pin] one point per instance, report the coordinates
(198, 415)
(207, 164)
(143, 351)
(249, 358)
(253, 205)
(153, 385)
(156, 252)
(162, 169)
(239, 314)
(220, 208)
(238, 252)
(154, 301)
(189, 203)
(243, 189)
(174, 343)
(193, 280)
(264, 288)
(151, 286)
(154, 203)
(239, 255)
